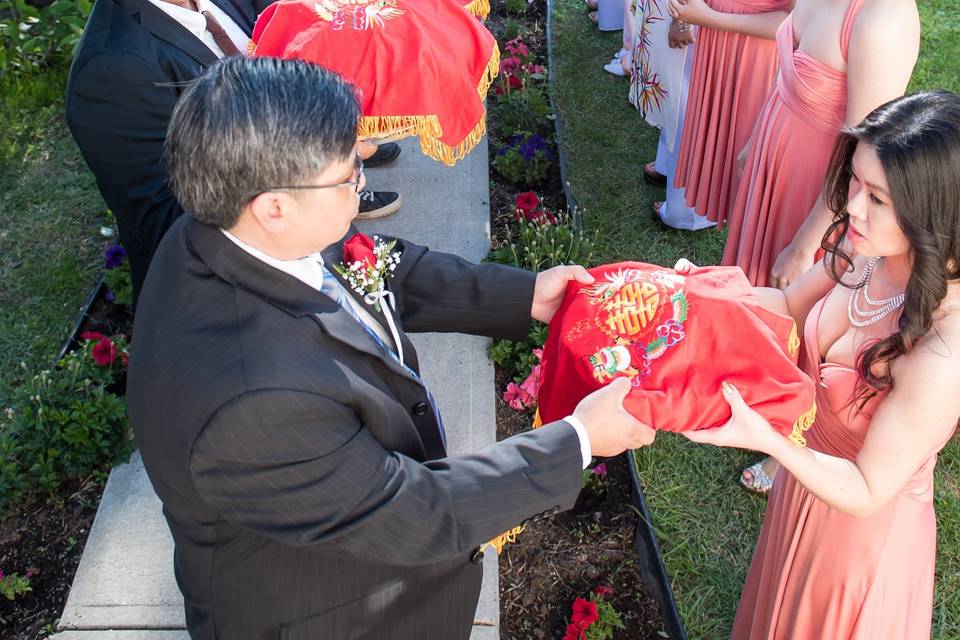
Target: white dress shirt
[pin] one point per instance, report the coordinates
(195, 23)
(309, 270)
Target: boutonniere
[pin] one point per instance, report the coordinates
(367, 263)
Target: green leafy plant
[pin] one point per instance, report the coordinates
(595, 479)
(593, 619)
(524, 159)
(65, 422)
(519, 358)
(32, 38)
(13, 585)
(515, 6)
(117, 276)
(536, 246)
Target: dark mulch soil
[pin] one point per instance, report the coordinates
(46, 537)
(557, 560)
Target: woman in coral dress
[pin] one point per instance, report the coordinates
(847, 548)
(734, 66)
(877, 41)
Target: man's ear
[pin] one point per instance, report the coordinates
(272, 210)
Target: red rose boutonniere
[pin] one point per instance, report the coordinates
(367, 263)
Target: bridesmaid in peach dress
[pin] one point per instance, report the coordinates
(847, 548)
(734, 66)
(813, 96)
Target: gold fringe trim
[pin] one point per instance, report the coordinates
(793, 342)
(502, 540)
(479, 8)
(428, 127)
(803, 423)
(537, 420)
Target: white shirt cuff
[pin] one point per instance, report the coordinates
(584, 440)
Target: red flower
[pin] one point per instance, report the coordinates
(573, 632)
(92, 335)
(104, 352)
(584, 613)
(125, 358)
(510, 65)
(527, 201)
(603, 591)
(359, 248)
(515, 82)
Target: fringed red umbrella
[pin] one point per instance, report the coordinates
(421, 67)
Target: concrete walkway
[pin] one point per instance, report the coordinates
(124, 588)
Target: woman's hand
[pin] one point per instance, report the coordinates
(678, 39)
(792, 263)
(684, 267)
(692, 11)
(746, 429)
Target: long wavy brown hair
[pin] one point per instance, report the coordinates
(917, 139)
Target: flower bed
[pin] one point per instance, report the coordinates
(577, 575)
(60, 434)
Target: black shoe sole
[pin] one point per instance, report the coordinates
(655, 181)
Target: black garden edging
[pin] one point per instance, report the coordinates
(576, 217)
(654, 571)
(98, 292)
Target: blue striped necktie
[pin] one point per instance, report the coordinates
(332, 288)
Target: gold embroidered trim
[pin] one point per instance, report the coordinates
(502, 540)
(793, 342)
(803, 423)
(479, 8)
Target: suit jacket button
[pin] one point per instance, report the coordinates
(477, 556)
(420, 409)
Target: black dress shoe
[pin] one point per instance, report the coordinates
(378, 204)
(385, 154)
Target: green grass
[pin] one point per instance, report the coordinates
(707, 526)
(50, 215)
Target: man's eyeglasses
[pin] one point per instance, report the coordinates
(355, 182)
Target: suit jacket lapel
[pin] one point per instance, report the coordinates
(237, 13)
(334, 255)
(172, 32)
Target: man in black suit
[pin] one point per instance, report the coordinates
(300, 458)
(134, 61)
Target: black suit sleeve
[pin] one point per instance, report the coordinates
(444, 293)
(300, 469)
(118, 111)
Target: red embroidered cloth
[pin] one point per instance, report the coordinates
(677, 338)
(421, 67)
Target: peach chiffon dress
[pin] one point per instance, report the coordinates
(731, 77)
(818, 573)
(789, 155)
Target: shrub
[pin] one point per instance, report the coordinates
(65, 422)
(524, 159)
(32, 38)
(536, 246)
(515, 6)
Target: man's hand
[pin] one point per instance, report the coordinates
(609, 427)
(550, 287)
(678, 39)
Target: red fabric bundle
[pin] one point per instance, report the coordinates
(678, 338)
(422, 67)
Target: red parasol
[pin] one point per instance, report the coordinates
(421, 67)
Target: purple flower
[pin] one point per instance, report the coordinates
(600, 470)
(109, 297)
(528, 151)
(114, 256)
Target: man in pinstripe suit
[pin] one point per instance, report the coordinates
(298, 455)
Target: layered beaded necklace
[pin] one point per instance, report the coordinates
(862, 310)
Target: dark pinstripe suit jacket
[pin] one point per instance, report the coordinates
(301, 472)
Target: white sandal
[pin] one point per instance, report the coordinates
(760, 482)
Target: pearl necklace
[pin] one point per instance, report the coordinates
(864, 316)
